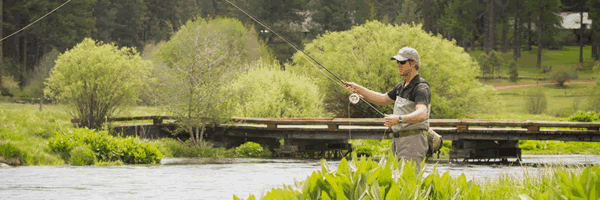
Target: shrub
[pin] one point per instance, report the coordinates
(268, 91)
(595, 97)
(563, 74)
(82, 155)
(513, 72)
(11, 151)
(585, 117)
(250, 149)
(362, 55)
(490, 63)
(96, 80)
(173, 148)
(536, 101)
(106, 147)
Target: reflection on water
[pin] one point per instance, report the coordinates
(207, 178)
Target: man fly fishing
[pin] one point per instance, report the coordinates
(411, 99)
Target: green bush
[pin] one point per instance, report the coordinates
(268, 91)
(251, 149)
(10, 151)
(490, 64)
(595, 97)
(362, 55)
(106, 147)
(536, 101)
(513, 72)
(173, 148)
(96, 80)
(585, 117)
(82, 155)
(562, 74)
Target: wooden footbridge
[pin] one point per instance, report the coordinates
(473, 139)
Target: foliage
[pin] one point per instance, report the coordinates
(595, 94)
(96, 80)
(562, 74)
(558, 147)
(513, 72)
(268, 91)
(388, 179)
(251, 149)
(193, 67)
(359, 55)
(590, 116)
(536, 101)
(35, 86)
(9, 150)
(490, 63)
(9, 85)
(106, 147)
(172, 148)
(82, 155)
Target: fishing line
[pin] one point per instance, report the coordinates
(311, 60)
(35, 21)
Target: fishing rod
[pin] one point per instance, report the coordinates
(354, 98)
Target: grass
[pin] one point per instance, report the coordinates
(562, 101)
(568, 56)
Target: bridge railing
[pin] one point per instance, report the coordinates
(334, 123)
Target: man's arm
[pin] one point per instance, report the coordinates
(419, 115)
(375, 97)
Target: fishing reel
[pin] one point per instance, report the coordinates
(354, 98)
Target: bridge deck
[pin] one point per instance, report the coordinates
(372, 128)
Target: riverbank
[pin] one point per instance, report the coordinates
(25, 132)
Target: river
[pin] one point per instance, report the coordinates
(207, 178)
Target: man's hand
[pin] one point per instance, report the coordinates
(391, 120)
(351, 86)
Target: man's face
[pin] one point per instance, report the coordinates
(403, 67)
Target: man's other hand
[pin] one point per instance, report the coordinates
(391, 120)
(351, 87)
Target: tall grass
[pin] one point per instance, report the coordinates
(27, 129)
(388, 179)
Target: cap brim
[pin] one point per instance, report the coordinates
(398, 58)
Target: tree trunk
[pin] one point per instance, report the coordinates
(202, 133)
(581, 29)
(504, 35)
(596, 39)
(192, 138)
(540, 29)
(489, 28)
(24, 65)
(516, 36)
(530, 35)
(1, 47)
(426, 9)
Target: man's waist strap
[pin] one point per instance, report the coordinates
(406, 133)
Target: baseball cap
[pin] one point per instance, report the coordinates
(406, 53)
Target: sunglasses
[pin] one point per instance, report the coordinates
(402, 62)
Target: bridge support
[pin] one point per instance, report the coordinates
(484, 150)
(307, 148)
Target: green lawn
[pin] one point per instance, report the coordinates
(568, 56)
(562, 102)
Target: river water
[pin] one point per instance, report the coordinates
(208, 178)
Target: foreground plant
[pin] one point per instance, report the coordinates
(366, 179)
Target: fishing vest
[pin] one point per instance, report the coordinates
(404, 106)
